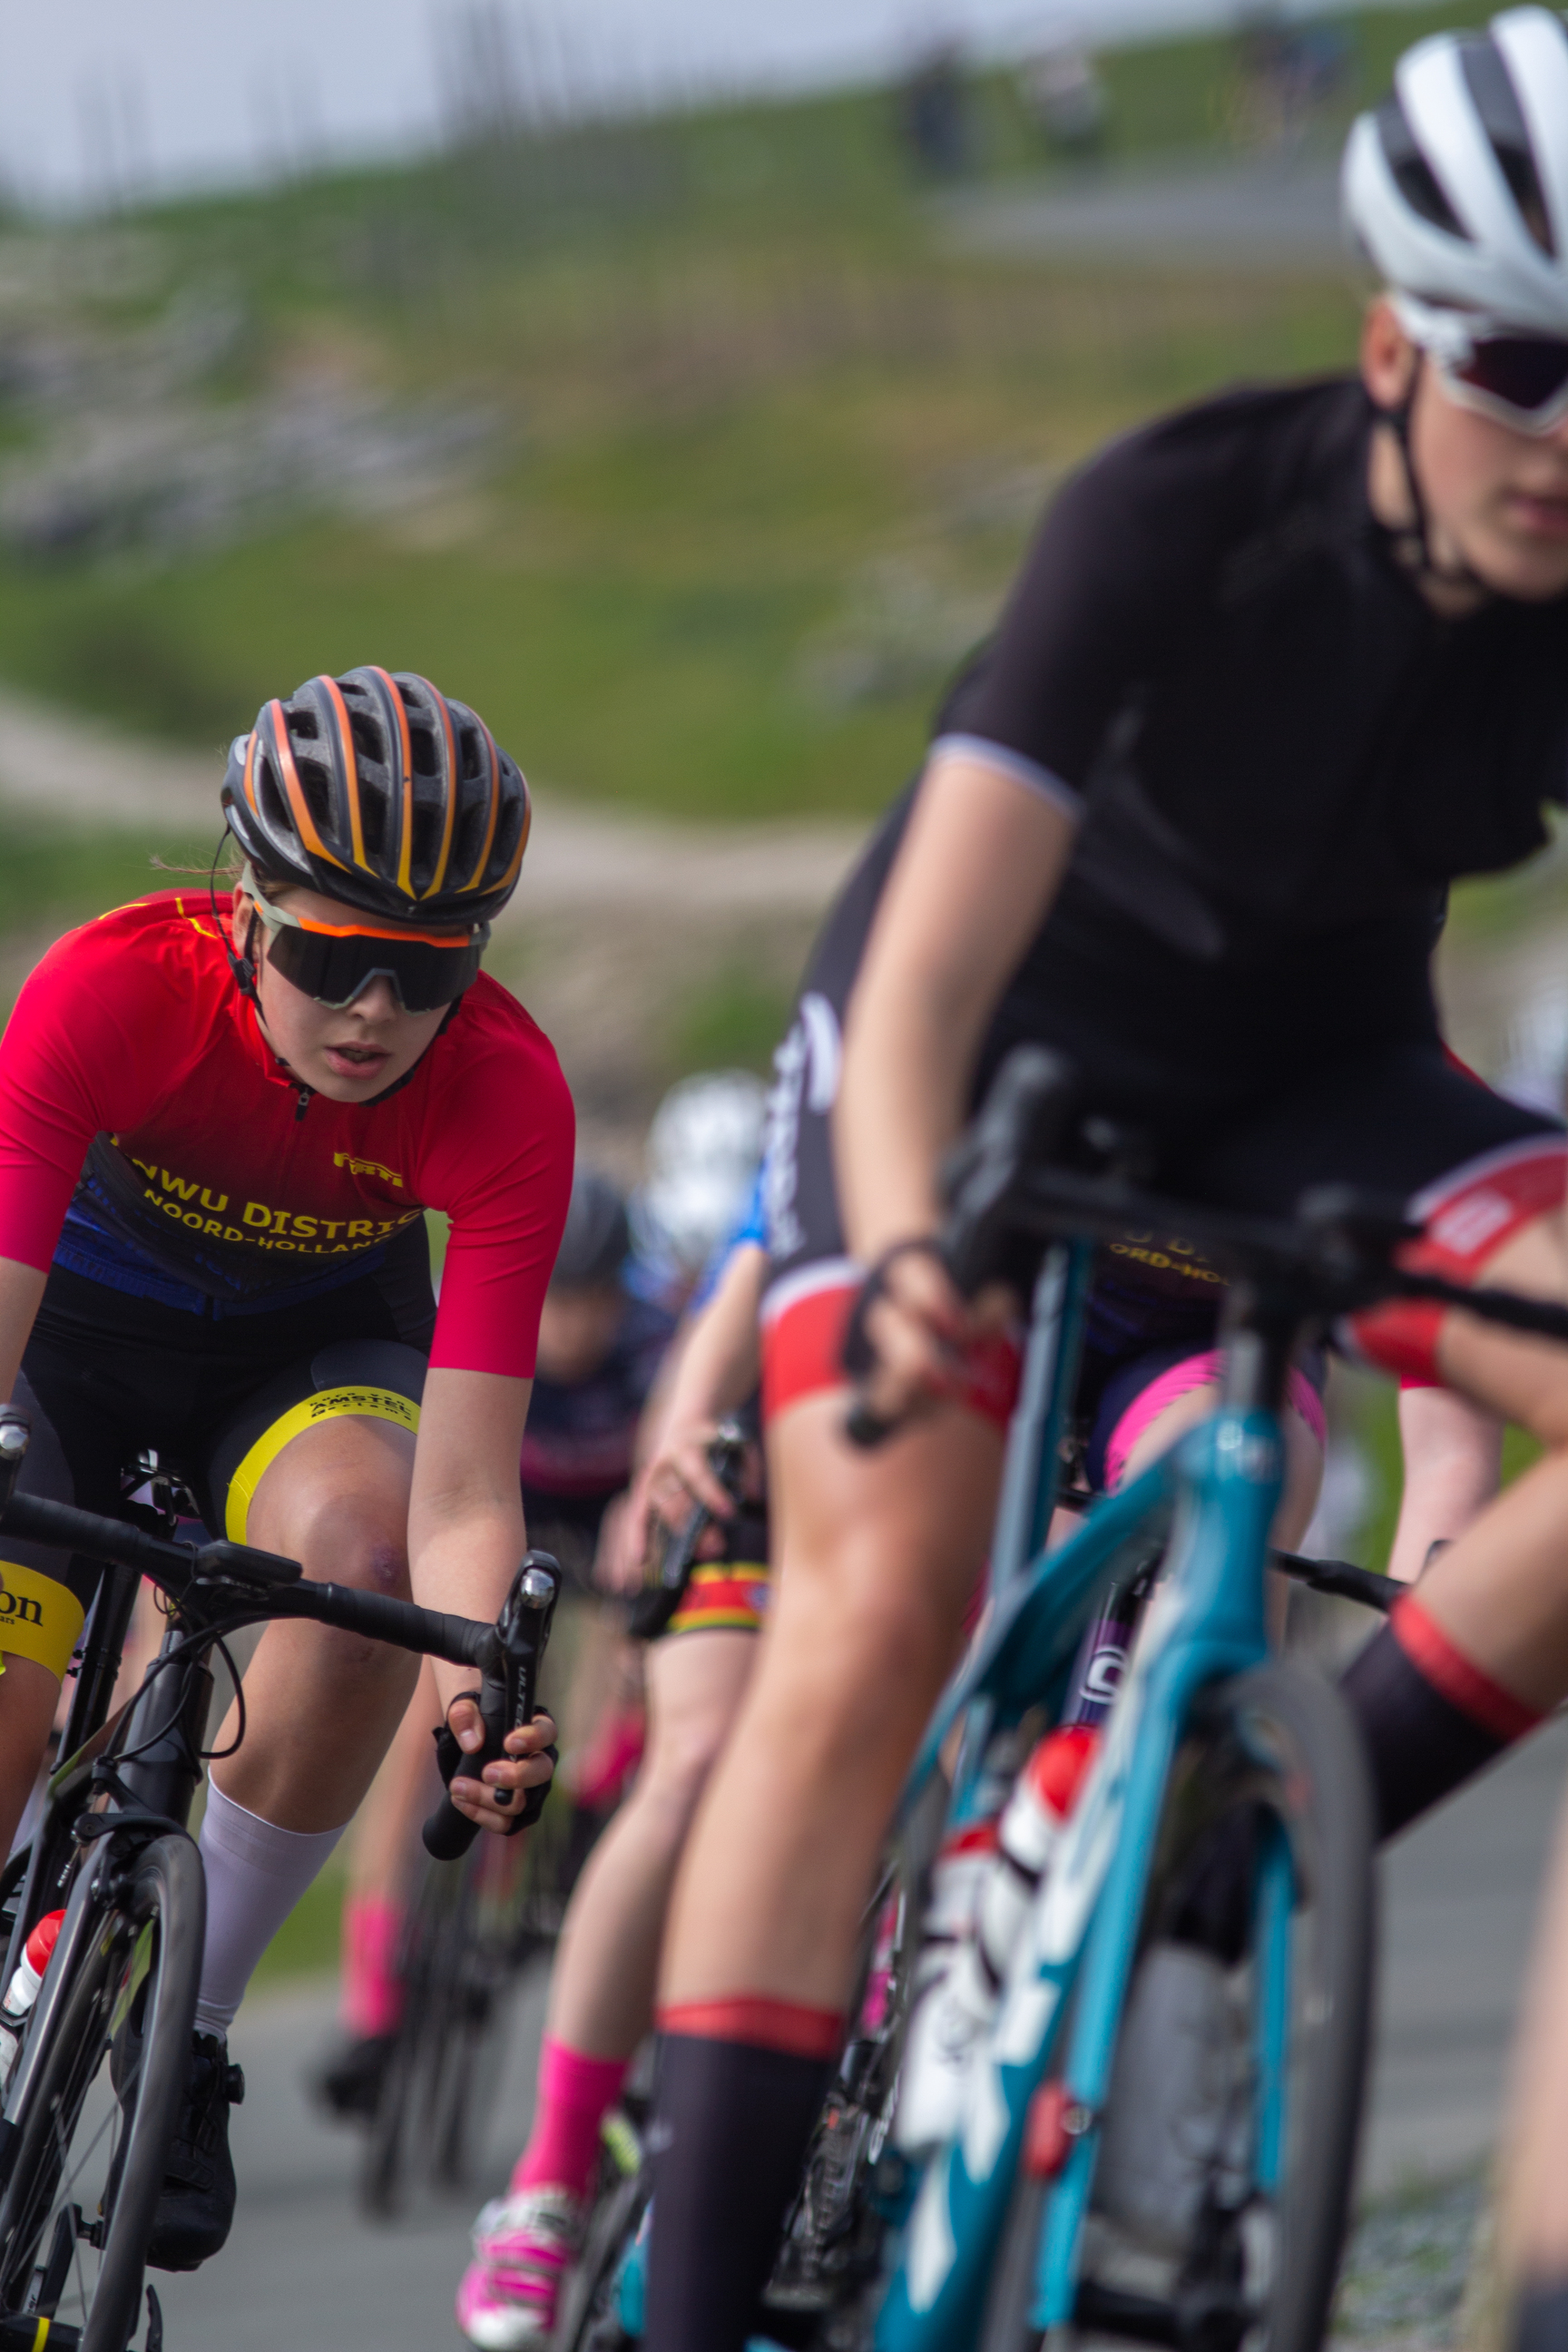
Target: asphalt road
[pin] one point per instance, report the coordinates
(1270, 211)
(304, 2270)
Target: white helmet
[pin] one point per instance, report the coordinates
(703, 1151)
(1458, 186)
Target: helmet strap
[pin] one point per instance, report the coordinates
(243, 967)
(1413, 541)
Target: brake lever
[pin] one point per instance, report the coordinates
(659, 1599)
(15, 1429)
(508, 1699)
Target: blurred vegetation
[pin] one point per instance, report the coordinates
(733, 1021)
(307, 1943)
(52, 876)
(762, 455)
(1373, 1416)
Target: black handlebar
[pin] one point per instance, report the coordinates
(509, 1663)
(228, 1583)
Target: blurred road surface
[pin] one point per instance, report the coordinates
(68, 767)
(304, 2270)
(1273, 211)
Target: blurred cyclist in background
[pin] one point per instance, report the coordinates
(600, 1346)
(601, 1999)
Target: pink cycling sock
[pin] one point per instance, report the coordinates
(372, 1994)
(611, 1756)
(575, 2095)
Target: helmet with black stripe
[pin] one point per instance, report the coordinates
(1456, 186)
(377, 791)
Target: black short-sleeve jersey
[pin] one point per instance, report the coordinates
(1212, 647)
(1282, 756)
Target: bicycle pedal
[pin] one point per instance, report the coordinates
(621, 2143)
(51, 2280)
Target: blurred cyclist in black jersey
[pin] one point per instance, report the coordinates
(1278, 669)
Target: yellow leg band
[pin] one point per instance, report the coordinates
(39, 1618)
(326, 1404)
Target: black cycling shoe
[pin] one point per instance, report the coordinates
(195, 2205)
(348, 2083)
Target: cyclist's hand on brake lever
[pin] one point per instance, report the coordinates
(525, 1765)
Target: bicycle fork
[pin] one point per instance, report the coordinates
(1205, 1621)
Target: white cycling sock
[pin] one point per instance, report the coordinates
(255, 1872)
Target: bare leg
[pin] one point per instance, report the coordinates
(400, 1795)
(1500, 1593)
(324, 1706)
(601, 2000)
(877, 1558)
(28, 1693)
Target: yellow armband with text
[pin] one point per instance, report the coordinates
(39, 1617)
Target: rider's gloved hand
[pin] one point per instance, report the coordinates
(913, 1336)
(529, 1763)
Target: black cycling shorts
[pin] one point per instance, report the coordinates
(1400, 1119)
(106, 1374)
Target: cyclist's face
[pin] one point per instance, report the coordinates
(348, 1056)
(1497, 498)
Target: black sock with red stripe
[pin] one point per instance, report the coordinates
(1541, 2319)
(732, 2122)
(1430, 1717)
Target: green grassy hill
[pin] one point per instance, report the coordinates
(760, 459)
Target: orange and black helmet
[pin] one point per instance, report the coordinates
(375, 790)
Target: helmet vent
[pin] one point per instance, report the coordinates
(425, 763)
(472, 754)
(1417, 180)
(367, 736)
(302, 722)
(372, 823)
(317, 786)
(1502, 119)
(469, 842)
(269, 792)
(427, 837)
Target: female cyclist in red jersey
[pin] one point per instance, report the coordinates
(222, 1118)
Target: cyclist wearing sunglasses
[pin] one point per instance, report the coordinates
(222, 1118)
(1278, 668)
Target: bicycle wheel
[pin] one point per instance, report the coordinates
(87, 2157)
(398, 2146)
(1266, 1831)
(444, 2068)
(591, 2316)
(484, 1965)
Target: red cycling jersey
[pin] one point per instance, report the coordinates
(130, 1042)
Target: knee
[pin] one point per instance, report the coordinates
(867, 1654)
(680, 1760)
(348, 1538)
(344, 1545)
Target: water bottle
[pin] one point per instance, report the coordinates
(956, 1995)
(23, 1990)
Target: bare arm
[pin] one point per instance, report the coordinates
(21, 1291)
(973, 883)
(466, 1537)
(1453, 1461)
(717, 1364)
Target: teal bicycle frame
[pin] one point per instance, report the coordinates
(1206, 1507)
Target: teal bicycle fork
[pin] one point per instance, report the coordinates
(1208, 1504)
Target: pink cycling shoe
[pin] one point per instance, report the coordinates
(524, 2246)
